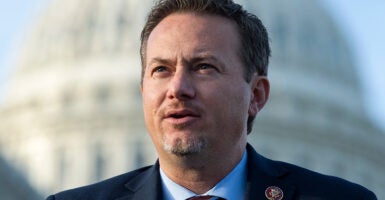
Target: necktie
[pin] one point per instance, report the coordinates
(206, 198)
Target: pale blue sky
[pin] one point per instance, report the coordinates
(363, 23)
(15, 16)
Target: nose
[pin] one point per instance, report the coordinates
(181, 86)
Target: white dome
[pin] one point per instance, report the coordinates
(74, 105)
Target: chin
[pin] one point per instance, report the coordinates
(184, 147)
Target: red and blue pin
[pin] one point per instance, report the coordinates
(274, 193)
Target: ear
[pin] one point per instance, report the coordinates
(260, 90)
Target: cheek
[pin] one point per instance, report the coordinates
(151, 95)
(153, 98)
(149, 104)
(230, 103)
(237, 103)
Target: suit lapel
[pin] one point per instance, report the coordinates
(145, 186)
(263, 173)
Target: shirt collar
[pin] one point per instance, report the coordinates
(233, 186)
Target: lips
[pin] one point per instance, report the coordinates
(181, 116)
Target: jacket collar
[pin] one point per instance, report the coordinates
(145, 185)
(264, 173)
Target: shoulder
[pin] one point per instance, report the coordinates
(306, 183)
(302, 175)
(311, 183)
(108, 189)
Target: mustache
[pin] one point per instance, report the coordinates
(180, 105)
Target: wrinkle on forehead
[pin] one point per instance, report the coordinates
(171, 32)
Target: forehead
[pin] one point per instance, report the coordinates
(194, 29)
(199, 20)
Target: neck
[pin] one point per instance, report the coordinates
(199, 172)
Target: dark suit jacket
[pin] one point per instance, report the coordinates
(295, 182)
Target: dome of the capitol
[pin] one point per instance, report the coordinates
(73, 104)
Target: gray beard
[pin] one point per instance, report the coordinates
(189, 148)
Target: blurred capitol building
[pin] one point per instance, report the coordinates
(72, 113)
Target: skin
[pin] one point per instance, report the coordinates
(196, 100)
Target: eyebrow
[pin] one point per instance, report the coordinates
(206, 57)
(194, 59)
(160, 60)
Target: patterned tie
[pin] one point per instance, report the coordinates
(206, 198)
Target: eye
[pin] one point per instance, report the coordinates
(160, 71)
(205, 66)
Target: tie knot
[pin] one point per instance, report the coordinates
(206, 197)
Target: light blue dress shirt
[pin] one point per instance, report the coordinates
(232, 187)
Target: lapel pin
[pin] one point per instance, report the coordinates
(274, 193)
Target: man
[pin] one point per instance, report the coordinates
(204, 67)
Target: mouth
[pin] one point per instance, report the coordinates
(177, 116)
(181, 116)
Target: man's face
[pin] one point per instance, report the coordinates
(195, 97)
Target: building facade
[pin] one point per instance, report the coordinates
(73, 105)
